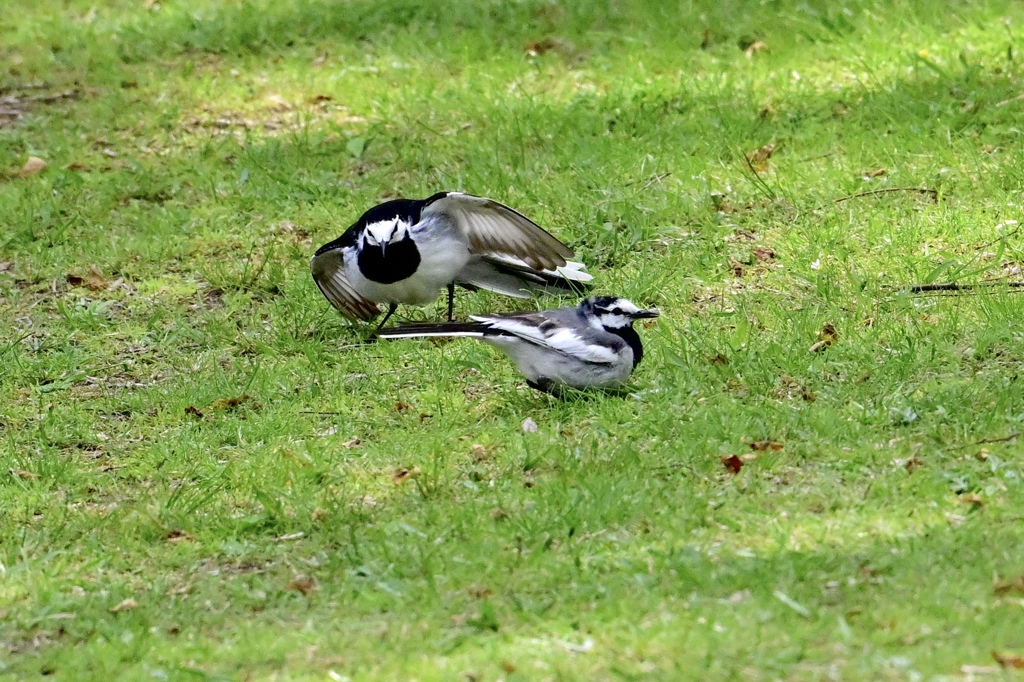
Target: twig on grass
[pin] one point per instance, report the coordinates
(985, 441)
(921, 190)
(1001, 237)
(651, 181)
(1003, 439)
(56, 97)
(954, 286)
(19, 87)
(1011, 100)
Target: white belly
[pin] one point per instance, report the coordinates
(443, 255)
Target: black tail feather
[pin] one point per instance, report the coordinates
(432, 329)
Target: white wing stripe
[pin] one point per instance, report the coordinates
(561, 339)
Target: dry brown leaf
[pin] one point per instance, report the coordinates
(733, 463)
(26, 475)
(1008, 660)
(973, 499)
(760, 445)
(539, 47)
(758, 158)
(737, 267)
(480, 592)
(318, 514)
(755, 47)
(177, 536)
(719, 203)
(317, 99)
(912, 463)
(508, 666)
(763, 253)
(401, 407)
(193, 411)
(706, 40)
(95, 280)
(955, 520)
(971, 670)
(479, 452)
(718, 359)
(231, 403)
(826, 338)
(126, 605)
(877, 173)
(303, 584)
(353, 443)
(1007, 586)
(402, 474)
(33, 166)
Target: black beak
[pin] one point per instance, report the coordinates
(642, 314)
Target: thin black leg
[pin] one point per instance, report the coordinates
(392, 307)
(451, 301)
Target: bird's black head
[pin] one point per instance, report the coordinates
(617, 315)
(379, 221)
(612, 312)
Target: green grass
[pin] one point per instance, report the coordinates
(160, 262)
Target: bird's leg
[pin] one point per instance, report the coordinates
(451, 301)
(392, 307)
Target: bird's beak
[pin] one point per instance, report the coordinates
(641, 314)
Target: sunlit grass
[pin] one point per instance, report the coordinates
(158, 267)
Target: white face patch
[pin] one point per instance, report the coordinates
(386, 231)
(613, 321)
(618, 314)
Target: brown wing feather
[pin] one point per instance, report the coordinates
(493, 228)
(329, 275)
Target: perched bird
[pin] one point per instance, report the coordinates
(592, 345)
(407, 250)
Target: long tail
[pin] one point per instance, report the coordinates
(433, 329)
(512, 277)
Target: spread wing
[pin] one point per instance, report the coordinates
(493, 228)
(329, 275)
(540, 329)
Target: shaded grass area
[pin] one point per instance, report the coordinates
(187, 425)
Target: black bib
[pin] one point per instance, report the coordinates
(393, 264)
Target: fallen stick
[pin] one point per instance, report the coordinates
(953, 286)
(921, 190)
